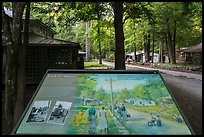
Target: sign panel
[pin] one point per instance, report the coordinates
(98, 102)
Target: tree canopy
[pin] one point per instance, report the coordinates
(139, 19)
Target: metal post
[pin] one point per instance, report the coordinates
(111, 91)
(112, 101)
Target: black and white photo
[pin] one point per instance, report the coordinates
(38, 112)
(59, 112)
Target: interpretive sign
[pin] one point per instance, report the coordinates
(103, 102)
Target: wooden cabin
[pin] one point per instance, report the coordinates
(45, 52)
(192, 55)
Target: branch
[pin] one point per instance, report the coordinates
(112, 13)
(26, 24)
(128, 16)
(17, 21)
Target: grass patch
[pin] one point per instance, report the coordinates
(156, 108)
(94, 64)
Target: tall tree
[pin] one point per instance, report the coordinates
(14, 89)
(119, 36)
(134, 43)
(153, 48)
(99, 40)
(170, 43)
(21, 72)
(87, 43)
(145, 46)
(148, 43)
(135, 48)
(160, 56)
(187, 16)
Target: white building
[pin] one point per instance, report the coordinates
(144, 102)
(140, 102)
(141, 56)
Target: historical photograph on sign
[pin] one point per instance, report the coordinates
(38, 112)
(124, 104)
(59, 112)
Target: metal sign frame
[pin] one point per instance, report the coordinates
(63, 71)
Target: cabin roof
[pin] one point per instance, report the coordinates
(193, 49)
(39, 40)
(10, 14)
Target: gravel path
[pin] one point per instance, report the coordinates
(173, 73)
(188, 95)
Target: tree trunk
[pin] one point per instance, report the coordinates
(21, 72)
(99, 40)
(99, 46)
(135, 50)
(10, 72)
(174, 44)
(146, 48)
(161, 51)
(119, 36)
(153, 49)
(10, 88)
(87, 43)
(167, 49)
(14, 38)
(170, 47)
(170, 44)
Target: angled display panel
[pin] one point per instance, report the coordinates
(103, 102)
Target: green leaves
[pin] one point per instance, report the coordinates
(140, 18)
(153, 90)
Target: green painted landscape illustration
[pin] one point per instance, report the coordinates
(124, 104)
